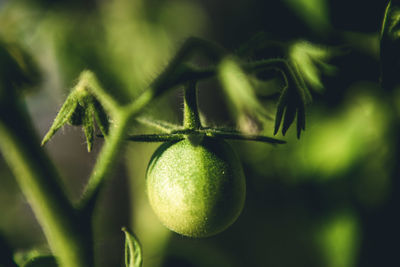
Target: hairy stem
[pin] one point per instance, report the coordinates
(89, 79)
(108, 155)
(105, 161)
(191, 119)
(39, 183)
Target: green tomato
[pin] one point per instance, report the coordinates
(196, 190)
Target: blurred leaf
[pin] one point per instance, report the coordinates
(338, 141)
(133, 250)
(301, 64)
(339, 240)
(310, 60)
(315, 13)
(390, 46)
(239, 90)
(35, 258)
(306, 60)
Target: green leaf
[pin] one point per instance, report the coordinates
(101, 118)
(280, 109)
(133, 250)
(88, 126)
(301, 64)
(290, 114)
(64, 115)
(292, 101)
(290, 105)
(80, 108)
(238, 88)
(310, 60)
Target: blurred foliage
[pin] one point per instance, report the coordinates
(239, 91)
(328, 199)
(313, 12)
(339, 239)
(35, 257)
(309, 59)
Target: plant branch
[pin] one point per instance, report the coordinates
(39, 182)
(88, 80)
(105, 161)
(123, 117)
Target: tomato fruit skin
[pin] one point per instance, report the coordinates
(196, 190)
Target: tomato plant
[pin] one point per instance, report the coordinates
(195, 183)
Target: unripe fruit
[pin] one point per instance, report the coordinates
(196, 190)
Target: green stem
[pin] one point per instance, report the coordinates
(108, 155)
(89, 79)
(39, 182)
(105, 162)
(191, 119)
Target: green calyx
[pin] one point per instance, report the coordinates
(192, 128)
(81, 108)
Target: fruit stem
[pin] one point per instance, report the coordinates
(191, 118)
